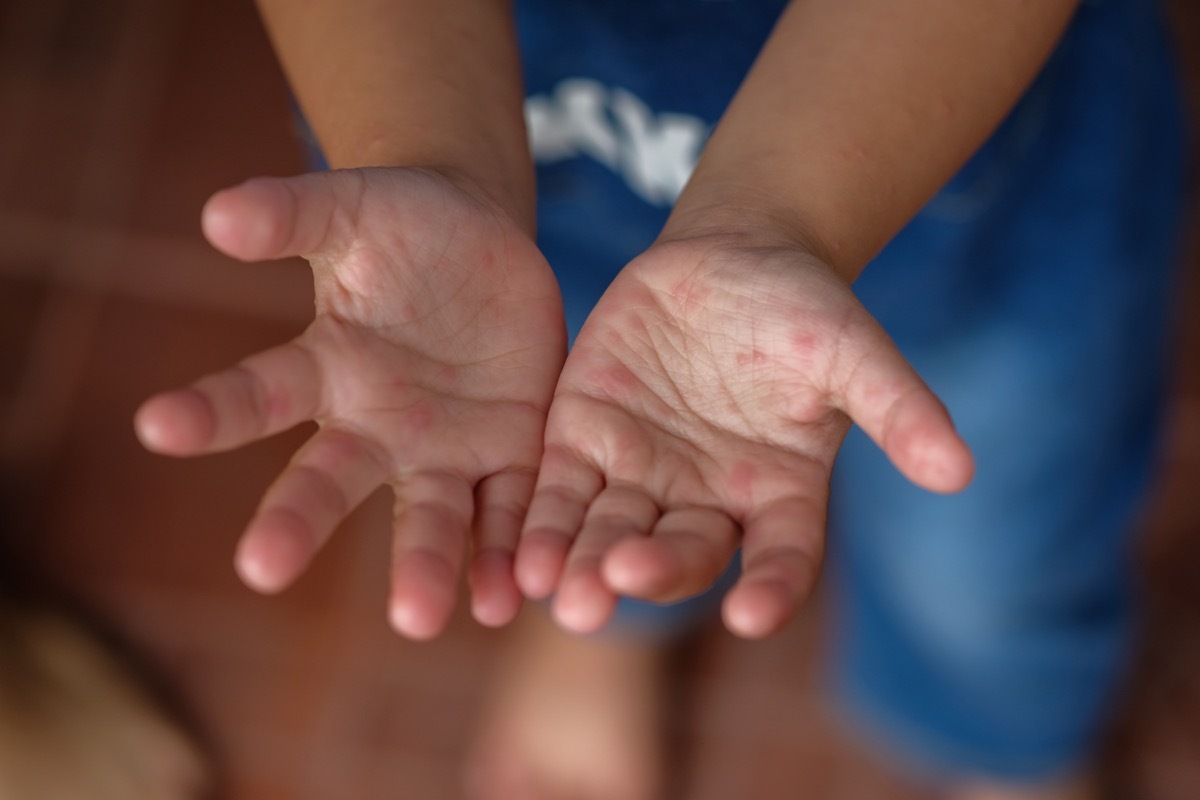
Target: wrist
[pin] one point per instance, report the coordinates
(506, 189)
(433, 84)
(502, 197)
(734, 215)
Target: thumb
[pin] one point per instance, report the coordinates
(889, 401)
(268, 218)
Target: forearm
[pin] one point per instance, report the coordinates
(856, 112)
(421, 83)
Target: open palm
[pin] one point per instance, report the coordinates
(429, 366)
(700, 411)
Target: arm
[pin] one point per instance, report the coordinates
(422, 83)
(855, 113)
(705, 401)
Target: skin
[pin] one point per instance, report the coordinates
(429, 367)
(711, 388)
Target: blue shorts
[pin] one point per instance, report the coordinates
(984, 632)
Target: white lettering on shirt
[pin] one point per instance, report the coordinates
(654, 152)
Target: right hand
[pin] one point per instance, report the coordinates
(430, 365)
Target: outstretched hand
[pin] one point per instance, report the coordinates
(429, 366)
(699, 411)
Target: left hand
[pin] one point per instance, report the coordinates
(700, 410)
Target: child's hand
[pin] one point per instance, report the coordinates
(700, 410)
(430, 364)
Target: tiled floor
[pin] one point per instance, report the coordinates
(116, 121)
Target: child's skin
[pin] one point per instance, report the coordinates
(701, 409)
(705, 400)
(429, 366)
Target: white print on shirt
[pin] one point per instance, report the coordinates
(655, 153)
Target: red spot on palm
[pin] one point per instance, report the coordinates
(418, 418)
(616, 381)
(741, 482)
(279, 405)
(805, 345)
(689, 295)
(753, 358)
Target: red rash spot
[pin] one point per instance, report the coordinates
(690, 295)
(279, 406)
(616, 381)
(742, 477)
(805, 344)
(487, 260)
(418, 419)
(753, 357)
(340, 451)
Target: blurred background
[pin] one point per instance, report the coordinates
(117, 120)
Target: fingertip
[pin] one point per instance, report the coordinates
(533, 582)
(411, 622)
(275, 549)
(258, 575)
(218, 218)
(953, 470)
(149, 427)
(495, 598)
(423, 595)
(539, 562)
(755, 610)
(641, 568)
(495, 612)
(174, 423)
(940, 462)
(583, 606)
(925, 447)
(249, 221)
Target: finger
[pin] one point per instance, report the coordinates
(325, 481)
(501, 502)
(268, 218)
(584, 602)
(267, 393)
(781, 558)
(433, 521)
(891, 403)
(565, 489)
(686, 553)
